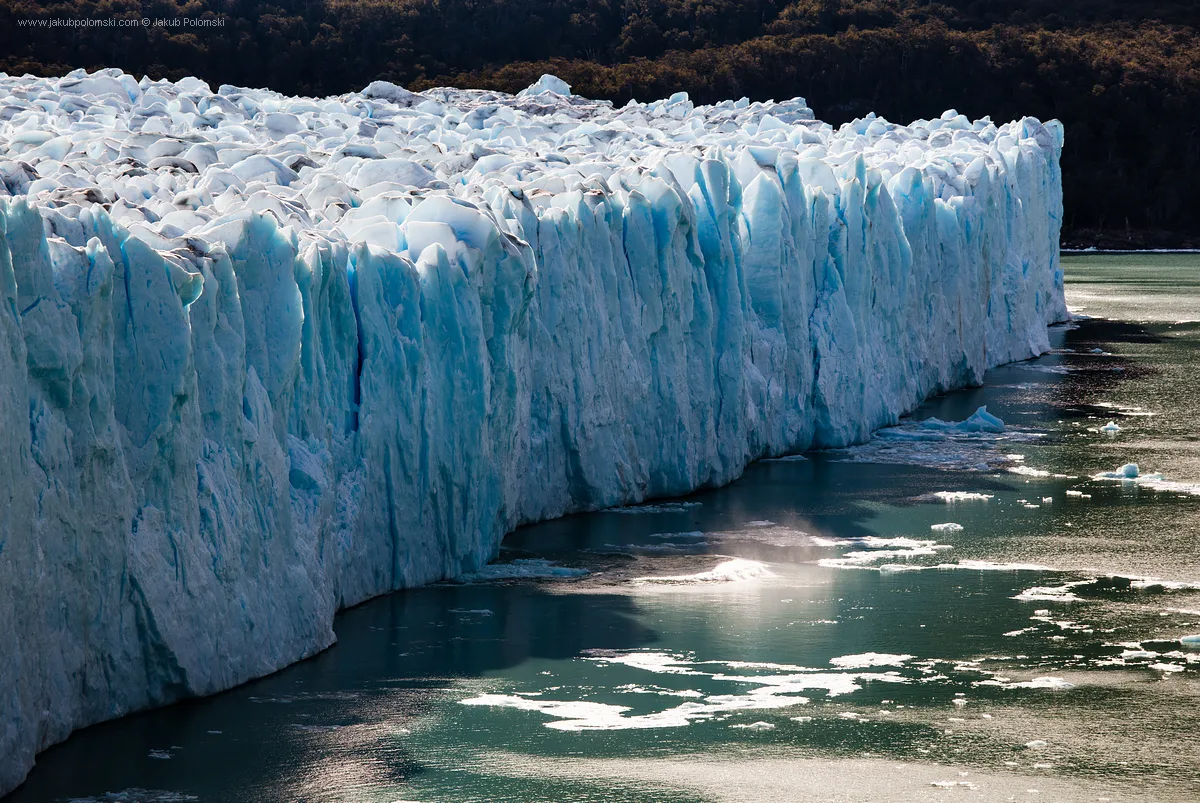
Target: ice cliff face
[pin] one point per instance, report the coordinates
(262, 357)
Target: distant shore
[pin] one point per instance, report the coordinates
(1093, 240)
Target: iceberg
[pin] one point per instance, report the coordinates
(264, 357)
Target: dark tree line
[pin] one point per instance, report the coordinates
(1124, 77)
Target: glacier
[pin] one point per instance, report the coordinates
(264, 357)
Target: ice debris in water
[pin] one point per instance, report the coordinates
(728, 571)
(948, 527)
(777, 690)
(1057, 684)
(253, 344)
(1129, 471)
(979, 421)
(960, 496)
(867, 659)
(521, 569)
(136, 795)
(1112, 427)
(969, 445)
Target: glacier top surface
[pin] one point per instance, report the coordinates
(171, 160)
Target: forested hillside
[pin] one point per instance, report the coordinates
(1124, 77)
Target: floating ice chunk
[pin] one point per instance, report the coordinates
(729, 571)
(1054, 683)
(632, 688)
(585, 715)
(949, 497)
(1112, 427)
(1029, 471)
(1190, 641)
(1036, 744)
(657, 662)
(1129, 471)
(979, 421)
(869, 659)
(1063, 593)
(878, 549)
(948, 527)
(756, 726)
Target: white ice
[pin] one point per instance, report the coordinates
(869, 659)
(1131, 473)
(727, 571)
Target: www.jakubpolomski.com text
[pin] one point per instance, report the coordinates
(140, 22)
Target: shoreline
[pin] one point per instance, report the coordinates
(1114, 251)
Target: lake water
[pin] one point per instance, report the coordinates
(807, 633)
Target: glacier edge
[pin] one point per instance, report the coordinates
(215, 438)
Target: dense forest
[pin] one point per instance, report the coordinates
(1124, 77)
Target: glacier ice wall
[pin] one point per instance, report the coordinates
(262, 357)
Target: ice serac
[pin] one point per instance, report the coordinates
(263, 357)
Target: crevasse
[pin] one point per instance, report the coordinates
(264, 357)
